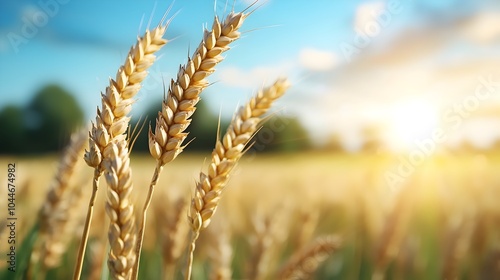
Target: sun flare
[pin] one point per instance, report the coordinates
(411, 121)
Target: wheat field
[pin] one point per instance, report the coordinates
(99, 211)
(443, 224)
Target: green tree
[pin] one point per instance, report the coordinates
(13, 130)
(146, 119)
(51, 117)
(202, 130)
(281, 134)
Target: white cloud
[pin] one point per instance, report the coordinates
(367, 12)
(251, 78)
(317, 60)
(483, 28)
(4, 44)
(307, 59)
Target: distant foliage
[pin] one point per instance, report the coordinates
(278, 134)
(282, 134)
(335, 143)
(53, 113)
(43, 126)
(13, 131)
(202, 129)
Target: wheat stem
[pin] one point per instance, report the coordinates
(221, 253)
(183, 95)
(173, 228)
(56, 213)
(192, 246)
(305, 262)
(226, 154)
(112, 118)
(147, 203)
(86, 227)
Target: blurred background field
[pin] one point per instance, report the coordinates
(442, 222)
(388, 138)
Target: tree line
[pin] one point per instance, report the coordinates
(46, 122)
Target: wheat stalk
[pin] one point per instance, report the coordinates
(58, 210)
(393, 231)
(265, 242)
(183, 95)
(60, 184)
(224, 157)
(458, 239)
(69, 217)
(306, 226)
(112, 120)
(174, 229)
(305, 262)
(220, 253)
(122, 229)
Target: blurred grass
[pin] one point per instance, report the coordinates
(447, 209)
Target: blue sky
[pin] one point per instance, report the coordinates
(82, 43)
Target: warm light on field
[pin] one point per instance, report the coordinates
(361, 141)
(411, 120)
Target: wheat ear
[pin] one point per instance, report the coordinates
(458, 239)
(224, 157)
(122, 229)
(70, 217)
(56, 213)
(305, 262)
(60, 184)
(393, 231)
(183, 95)
(308, 223)
(220, 253)
(174, 229)
(112, 120)
(271, 229)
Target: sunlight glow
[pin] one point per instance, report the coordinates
(410, 121)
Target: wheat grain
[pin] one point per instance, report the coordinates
(227, 152)
(392, 235)
(307, 226)
(456, 245)
(55, 243)
(183, 95)
(112, 118)
(305, 262)
(174, 230)
(270, 231)
(122, 229)
(57, 216)
(60, 184)
(220, 253)
(224, 158)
